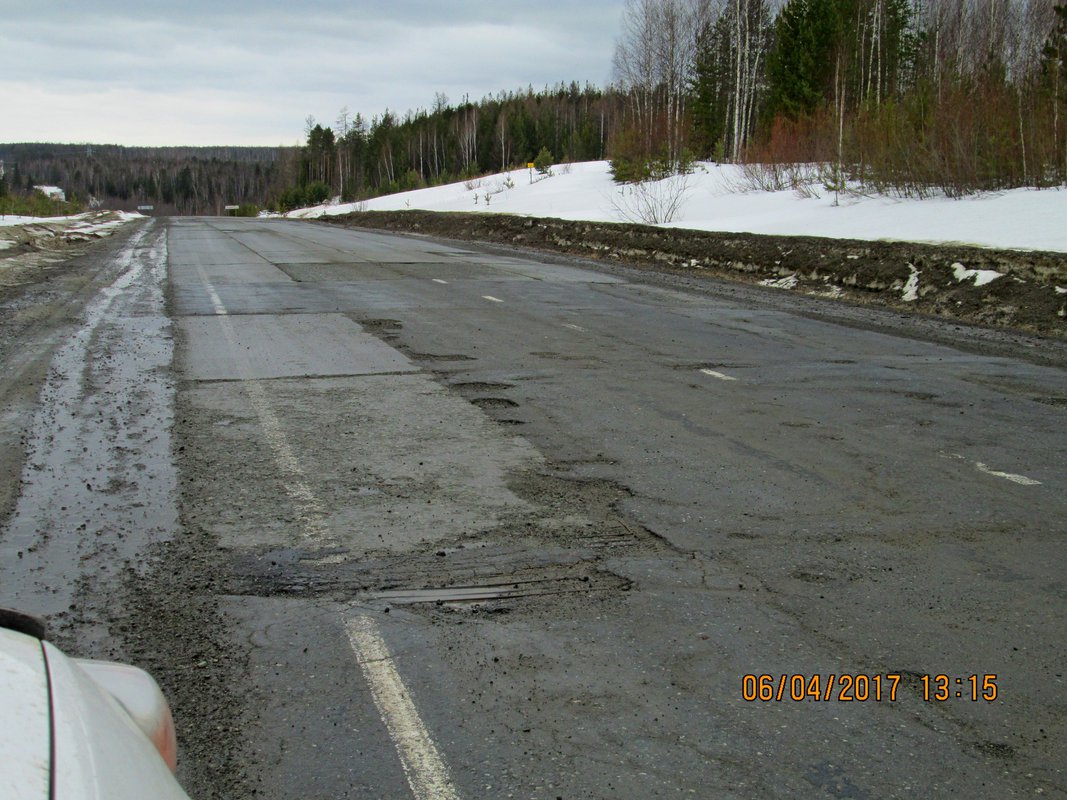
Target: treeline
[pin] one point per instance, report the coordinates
(176, 180)
(904, 95)
(357, 159)
(909, 96)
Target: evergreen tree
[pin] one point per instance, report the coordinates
(800, 67)
(1054, 67)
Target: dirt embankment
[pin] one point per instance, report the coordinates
(1004, 288)
(32, 250)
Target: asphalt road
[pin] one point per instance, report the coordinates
(396, 518)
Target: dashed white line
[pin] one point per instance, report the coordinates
(1022, 480)
(493, 299)
(574, 327)
(718, 375)
(425, 769)
(438, 280)
(423, 765)
(312, 512)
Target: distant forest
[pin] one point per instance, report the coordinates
(357, 159)
(176, 180)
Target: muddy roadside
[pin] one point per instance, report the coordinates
(1013, 290)
(46, 278)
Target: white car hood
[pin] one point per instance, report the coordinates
(24, 718)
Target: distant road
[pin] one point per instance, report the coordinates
(444, 522)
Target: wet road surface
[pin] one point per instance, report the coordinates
(397, 518)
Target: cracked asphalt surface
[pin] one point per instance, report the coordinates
(393, 517)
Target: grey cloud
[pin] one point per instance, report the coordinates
(360, 54)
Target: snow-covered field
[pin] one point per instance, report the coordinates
(716, 198)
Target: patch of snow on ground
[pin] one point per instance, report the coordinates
(981, 276)
(84, 220)
(911, 288)
(11, 219)
(788, 282)
(717, 200)
(832, 292)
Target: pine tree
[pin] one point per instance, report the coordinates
(801, 66)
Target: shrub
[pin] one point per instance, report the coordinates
(290, 199)
(543, 162)
(316, 193)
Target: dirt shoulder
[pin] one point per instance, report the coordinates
(1022, 290)
(45, 282)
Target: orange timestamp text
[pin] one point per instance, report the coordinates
(861, 687)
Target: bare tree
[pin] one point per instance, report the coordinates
(653, 64)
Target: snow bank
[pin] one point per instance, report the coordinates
(716, 200)
(85, 221)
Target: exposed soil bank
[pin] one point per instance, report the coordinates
(1030, 294)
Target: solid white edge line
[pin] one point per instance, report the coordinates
(718, 375)
(425, 769)
(493, 299)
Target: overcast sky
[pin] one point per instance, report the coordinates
(201, 72)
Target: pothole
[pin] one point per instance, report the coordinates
(569, 580)
(556, 356)
(711, 365)
(380, 324)
(494, 402)
(477, 386)
(562, 542)
(440, 357)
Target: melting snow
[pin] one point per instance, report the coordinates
(788, 282)
(911, 288)
(981, 276)
(717, 199)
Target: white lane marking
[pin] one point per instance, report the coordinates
(718, 375)
(311, 511)
(216, 301)
(438, 280)
(423, 765)
(493, 299)
(574, 327)
(1022, 480)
